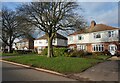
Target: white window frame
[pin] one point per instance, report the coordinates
(97, 47)
(81, 47)
(54, 40)
(81, 37)
(72, 47)
(71, 38)
(40, 42)
(96, 34)
(111, 33)
(35, 42)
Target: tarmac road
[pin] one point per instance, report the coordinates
(17, 73)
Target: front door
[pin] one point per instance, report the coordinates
(112, 49)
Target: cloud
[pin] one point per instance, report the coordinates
(16, 0)
(102, 12)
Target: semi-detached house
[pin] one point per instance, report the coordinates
(41, 43)
(95, 38)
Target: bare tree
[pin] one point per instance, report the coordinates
(51, 17)
(12, 27)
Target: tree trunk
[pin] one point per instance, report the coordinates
(50, 48)
(10, 49)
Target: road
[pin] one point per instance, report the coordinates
(17, 73)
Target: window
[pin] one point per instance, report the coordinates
(40, 42)
(81, 47)
(111, 33)
(98, 35)
(72, 47)
(98, 48)
(53, 40)
(46, 41)
(35, 42)
(71, 38)
(80, 37)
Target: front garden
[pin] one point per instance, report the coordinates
(60, 64)
(63, 62)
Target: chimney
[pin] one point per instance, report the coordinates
(93, 23)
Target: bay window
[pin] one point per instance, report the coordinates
(98, 48)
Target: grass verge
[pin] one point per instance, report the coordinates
(64, 65)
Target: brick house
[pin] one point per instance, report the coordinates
(95, 38)
(25, 44)
(58, 41)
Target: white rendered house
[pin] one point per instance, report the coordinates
(41, 43)
(95, 38)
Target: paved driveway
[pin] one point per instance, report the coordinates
(106, 71)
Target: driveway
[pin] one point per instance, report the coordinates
(106, 71)
(17, 73)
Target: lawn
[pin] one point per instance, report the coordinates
(14, 54)
(60, 64)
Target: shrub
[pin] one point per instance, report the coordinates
(76, 53)
(59, 51)
(97, 53)
(23, 51)
(44, 51)
(56, 51)
(106, 52)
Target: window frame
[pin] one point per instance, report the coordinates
(111, 33)
(97, 47)
(81, 47)
(97, 35)
(81, 37)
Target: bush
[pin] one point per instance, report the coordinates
(23, 51)
(106, 52)
(97, 53)
(56, 51)
(76, 53)
(59, 51)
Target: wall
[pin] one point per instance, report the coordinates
(89, 37)
(56, 42)
(61, 42)
(42, 42)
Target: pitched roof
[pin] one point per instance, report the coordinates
(23, 40)
(96, 28)
(56, 36)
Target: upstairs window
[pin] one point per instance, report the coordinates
(35, 42)
(46, 41)
(111, 33)
(80, 37)
(40, 42)
(71, 38)
(98, 35)
(53, 40)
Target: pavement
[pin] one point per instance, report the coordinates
(114, 58)
(106, 71)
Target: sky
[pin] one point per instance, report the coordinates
(101, 11)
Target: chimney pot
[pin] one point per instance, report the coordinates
(93, 23)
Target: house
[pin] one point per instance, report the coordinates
(25, 44)
(95, 38)
(41, 43)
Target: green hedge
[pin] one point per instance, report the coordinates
(77, 53)
(56, 51)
